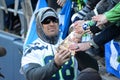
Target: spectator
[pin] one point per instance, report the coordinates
(40, 59)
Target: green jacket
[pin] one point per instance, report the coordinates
(114, 14)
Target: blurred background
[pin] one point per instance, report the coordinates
(14, 21)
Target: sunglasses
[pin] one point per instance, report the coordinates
(48, 20)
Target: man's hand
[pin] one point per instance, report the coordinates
(80, 46)
(77, 26)
(100, 19)
(61, 2)
(62, 56)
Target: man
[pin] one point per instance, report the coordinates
(40, 59)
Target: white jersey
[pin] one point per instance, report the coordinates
(42, 53)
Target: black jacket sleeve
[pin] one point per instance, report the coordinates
(85, 60)
(106, 35)
(35, 71)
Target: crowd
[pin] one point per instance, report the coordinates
(41, 60)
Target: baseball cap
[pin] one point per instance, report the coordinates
(49, 14)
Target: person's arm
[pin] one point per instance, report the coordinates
(111, 16)
(106, 35)
(35, 71)
(32, 68)
(103, 37)
(114, 14)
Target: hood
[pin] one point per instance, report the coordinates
(40, 16)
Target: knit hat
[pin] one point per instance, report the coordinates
(89, 74)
